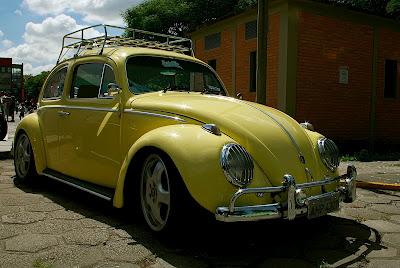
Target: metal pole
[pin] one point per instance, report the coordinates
(262, 31)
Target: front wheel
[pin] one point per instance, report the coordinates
(24, 160)
(159, 192)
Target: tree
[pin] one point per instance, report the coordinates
(179, 17)
(393, 8)
(33, 84)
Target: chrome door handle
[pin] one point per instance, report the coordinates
(63, 113)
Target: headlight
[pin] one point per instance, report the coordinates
(329, 153)
(237, 164)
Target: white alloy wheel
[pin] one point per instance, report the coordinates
(155, 195)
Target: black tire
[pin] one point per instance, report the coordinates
(24, 161)
(3, 127)
(161, 193)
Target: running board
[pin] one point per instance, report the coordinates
(94, 189)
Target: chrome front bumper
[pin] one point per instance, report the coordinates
(295, 204)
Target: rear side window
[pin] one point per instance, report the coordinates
(92, 80)
(55, 85)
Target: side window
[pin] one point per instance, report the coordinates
(86, 81)
(55, 85)
(108, 80)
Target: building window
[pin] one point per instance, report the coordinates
(253, 71)
(213, 64)
(251, 30)
(390, 79)
(212, 41)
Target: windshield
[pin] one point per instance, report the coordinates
(150, 74)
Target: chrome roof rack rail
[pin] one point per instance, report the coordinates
(99, 37)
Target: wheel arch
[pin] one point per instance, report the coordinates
(30, 125)
(178, 143)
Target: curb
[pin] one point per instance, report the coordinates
(378, 185)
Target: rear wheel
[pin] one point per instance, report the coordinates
(159, 192)
(24, 160)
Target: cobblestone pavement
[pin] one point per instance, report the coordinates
(51, 225)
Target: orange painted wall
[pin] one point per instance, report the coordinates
(244, 47)
(340, 111)
(388, 110)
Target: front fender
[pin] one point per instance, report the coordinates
(30, 125)
(196, 154)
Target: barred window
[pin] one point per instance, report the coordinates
(251, 30)
(213, 64)
(390, 79)
(212, 41)
(253, 71)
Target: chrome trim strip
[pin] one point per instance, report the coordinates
(282, 127)
(77, 186)
(132, 111)
(78, 108)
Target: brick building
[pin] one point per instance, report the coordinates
(11, 78)
(333, 67)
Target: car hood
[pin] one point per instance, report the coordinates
(274, 140)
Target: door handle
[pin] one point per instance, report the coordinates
(63, 113)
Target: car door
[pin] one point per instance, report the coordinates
(90, 130)
(50, 101)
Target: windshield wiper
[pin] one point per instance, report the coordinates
(207, 90)
(169, 88)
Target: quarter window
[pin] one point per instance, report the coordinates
(55, 85)
(390, 78)
(108, 80)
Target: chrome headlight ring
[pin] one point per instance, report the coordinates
(237, 164)
(329, 153)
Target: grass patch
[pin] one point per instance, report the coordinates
(38, 263)
(365, 156)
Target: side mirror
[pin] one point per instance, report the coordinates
(113, 89)
(239, 96)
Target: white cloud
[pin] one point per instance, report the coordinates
(93, 11)
(29, 69)
(1, 33)
(6, 43)
(18, 12)
(42, 43)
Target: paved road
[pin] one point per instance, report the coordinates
(51, 225)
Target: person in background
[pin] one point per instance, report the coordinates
(11, 108)
(21, 109)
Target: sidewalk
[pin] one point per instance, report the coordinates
(6, 144)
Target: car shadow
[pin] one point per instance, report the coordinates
(321, 242)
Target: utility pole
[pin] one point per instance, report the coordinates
(262, 31)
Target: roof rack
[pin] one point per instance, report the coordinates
(91, 38)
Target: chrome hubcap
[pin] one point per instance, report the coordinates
(22, 156)
(155, 192)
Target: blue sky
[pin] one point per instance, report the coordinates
(31, 30)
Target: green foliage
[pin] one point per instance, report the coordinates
(33, 84)
(179, 17)
(393, 8)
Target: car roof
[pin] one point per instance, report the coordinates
(119, 54)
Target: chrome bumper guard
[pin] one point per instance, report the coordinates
(297, 204)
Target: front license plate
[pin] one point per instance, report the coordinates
(318, 207)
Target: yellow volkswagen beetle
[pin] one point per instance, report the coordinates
(140, 119)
